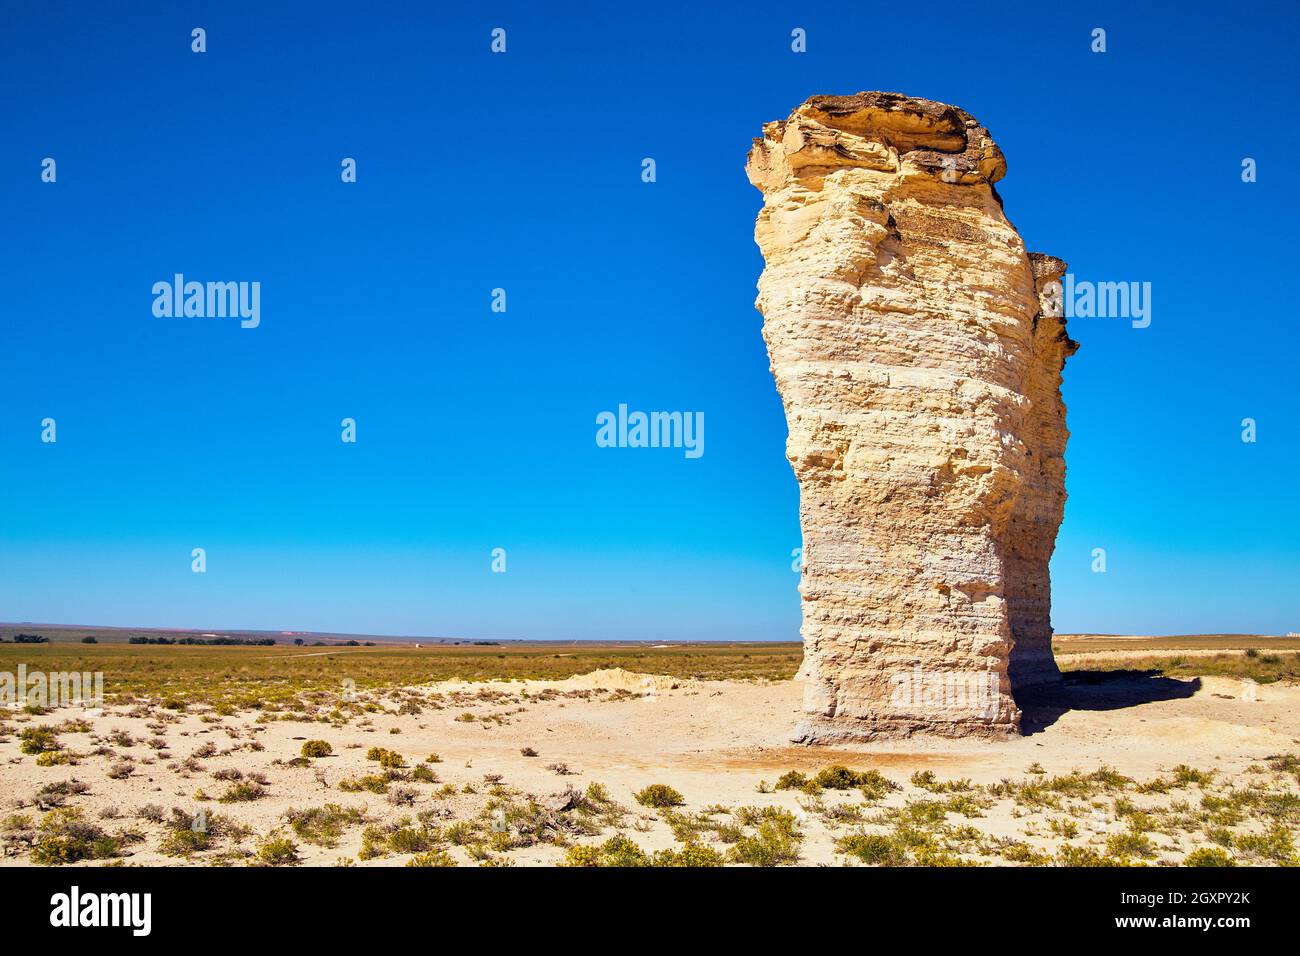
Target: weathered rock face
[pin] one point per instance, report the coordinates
(920, 367)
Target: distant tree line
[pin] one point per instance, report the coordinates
(241, 641)
(206, 641)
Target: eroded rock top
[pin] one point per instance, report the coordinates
(876, 130)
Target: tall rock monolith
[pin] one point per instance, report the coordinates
(919, 361)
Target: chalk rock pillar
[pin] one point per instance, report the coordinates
(919, 361)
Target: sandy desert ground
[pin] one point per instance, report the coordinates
(1121, 769)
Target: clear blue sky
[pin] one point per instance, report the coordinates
(522, 171)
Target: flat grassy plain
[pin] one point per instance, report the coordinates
(1263, 659)
(1092, 643)
(252, 676)
(243, 677)
(1261, 667)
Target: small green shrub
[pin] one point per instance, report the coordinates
(66, 838)
(388, 759)
(55, 758)
(461, 832)
(1209, 856)
(412, 839)
(1130, 844)
(837, 777)
(370, 782)
(872, 848)
(617, 851)
(772, 845)
(1185, 776)
(690, 855)
(791, 780)
(1082, 856)
(317, 748)
(873, 784)
(276, 850)
(38, 740)
(432, 858)
(776, 841)
(324, 825)
(660, 795)
(1276, 844)
(242, 792)
(184, 842)
(1024, 854)
(1283, 763)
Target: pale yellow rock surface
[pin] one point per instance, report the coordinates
(920, 374)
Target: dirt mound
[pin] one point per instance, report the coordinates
(616, 678)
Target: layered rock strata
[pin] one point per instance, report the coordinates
(919, 362)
